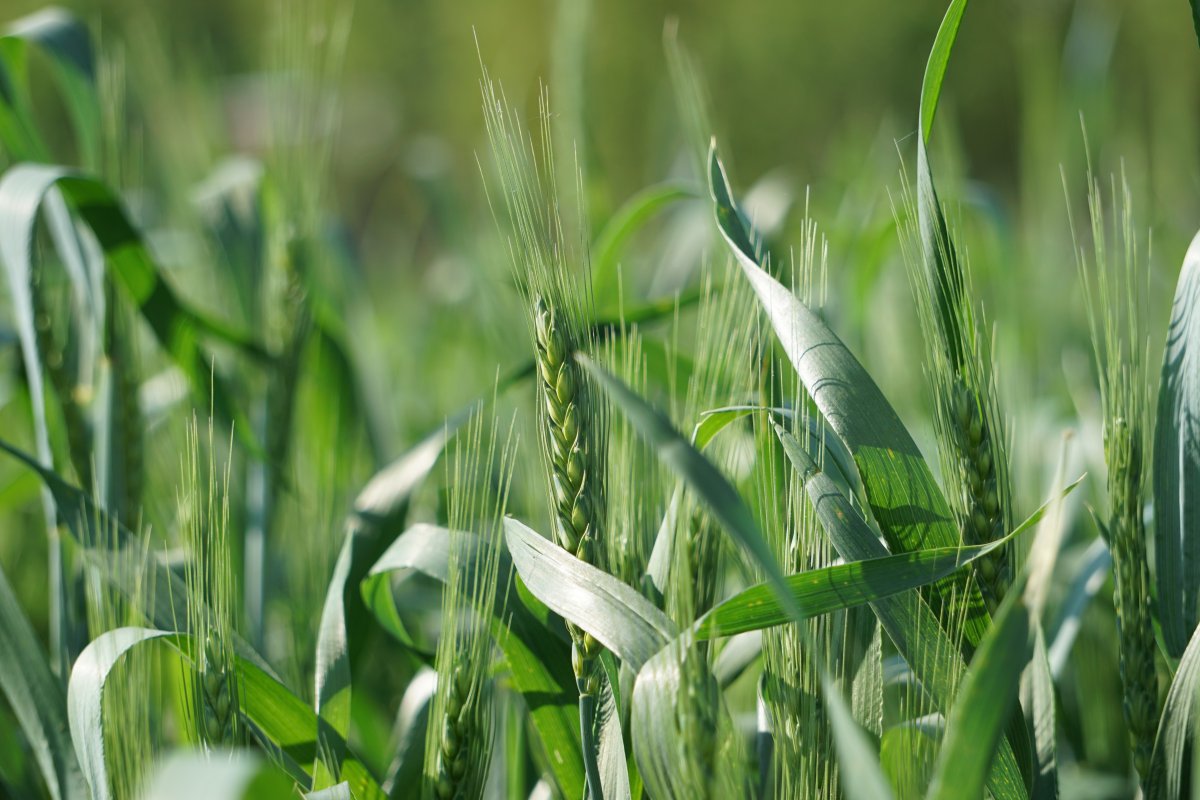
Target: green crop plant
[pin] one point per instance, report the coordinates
(664, 498)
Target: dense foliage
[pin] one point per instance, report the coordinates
(676, 541)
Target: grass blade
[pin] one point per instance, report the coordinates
(36, 698)
(620, 618)
(701, 477)
(904, 498)
(1037, 696)
(912, 625)
(1171, 760)
(538, 660)
(829, 589)
(939, 252)
(862, 774)
(1176, 473)
(381, 505)
(976, 721)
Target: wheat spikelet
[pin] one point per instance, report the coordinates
(553, 275)
(460, 733)
(971, 432)
(204, 517)
(1115, 295)
(574, 478)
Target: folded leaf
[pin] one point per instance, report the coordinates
(1176, 473)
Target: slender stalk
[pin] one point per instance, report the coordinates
(204, 514)
(462, 721)
(1115, 292)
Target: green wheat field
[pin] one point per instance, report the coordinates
(567, 399)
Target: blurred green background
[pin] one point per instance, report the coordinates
(819, 91)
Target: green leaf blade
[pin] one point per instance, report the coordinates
(1176, 473)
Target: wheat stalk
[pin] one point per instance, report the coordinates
(1115, 297)
(204, 515)
(458, 741)
(971, 432)
(553, 275)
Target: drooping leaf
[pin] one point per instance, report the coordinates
(910, 623)
(282, 722)
(120, 562)
(23, 191)
(621, 619)
(628, 219)
(66, 43)
(904, 498)
(85, 694)
(380, 506)
(538, 660)
(705, 480)
(412, 720)
(1176, 473)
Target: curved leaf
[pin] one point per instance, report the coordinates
(538, 660)
(23, 191)
(621, 619)
(283, 723)
(85, 694)
(911, 624)
(68, 45)
(842, 586)
(975, 724)
(700, 475)
(637, 210)
(93, 529)
(36, 698)
(381, 504)
(412, 720)
(904, 498)
(1176, 728)
(1176, 473)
